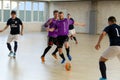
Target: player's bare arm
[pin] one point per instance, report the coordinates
(49, 22)
(50, 29)
(98, 46)
(4, 28)
(79, 24)
(22, 27)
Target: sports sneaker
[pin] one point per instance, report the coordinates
(63, 61)
(55, 56)
(10, 54)
(69, 57)
(14, 55)
(42, 59)
(102, 79)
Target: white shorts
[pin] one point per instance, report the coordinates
(12, 38)
(111, 52)
(72, 32)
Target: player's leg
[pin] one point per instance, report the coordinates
(56, 50)
(70, 34)
(46, 50)
(110, 53)
(54, 53)
(9, 48)
(67, 47)
(75, 39)
(60, 45)
(15, 47)
(102, 67)
(118, 56)
(61, 55)
(50, 43)
(73, 34)
(15, 44)
(9, 40)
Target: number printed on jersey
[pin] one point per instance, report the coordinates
(117, 31)
(64, 27)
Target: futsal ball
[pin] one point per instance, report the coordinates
(68, 66)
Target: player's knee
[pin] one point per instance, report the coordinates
(66, 45)
(102, 59)
(60, 50)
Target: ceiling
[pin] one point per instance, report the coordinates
(53, 0)
(68, 0)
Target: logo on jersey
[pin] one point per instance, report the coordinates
(15, 22)
(13, 25)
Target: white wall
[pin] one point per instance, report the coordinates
(106, 9)
(78, 10)
(28, 27)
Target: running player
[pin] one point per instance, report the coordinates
(72, 29)
(52, 36)
(14, 24)
(113, 31)
(63, 31)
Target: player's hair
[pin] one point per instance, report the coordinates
(61, 12)
(112, 19)
(55, 11)
(68, 14)
(13, 12)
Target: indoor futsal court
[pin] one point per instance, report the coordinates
(59, 40)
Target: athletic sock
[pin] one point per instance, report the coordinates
(75, 38)
(15, 46)
(103, 69)
(9, 47)
(46, 50)
(62, 56)
(68, 50)
(56, 50)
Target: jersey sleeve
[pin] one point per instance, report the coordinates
(70, 21)
(106, 30)
(20, 22)
(8, 22)
(47, 23)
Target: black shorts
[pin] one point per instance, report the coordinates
(61, 40)
(52, 40)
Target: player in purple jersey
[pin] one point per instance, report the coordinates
(52, 36)
(63, 30)
(72, 31)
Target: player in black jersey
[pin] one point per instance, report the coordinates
(14, 24)
(113, 31)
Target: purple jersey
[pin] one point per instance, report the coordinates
(63, 26)
(51, 25)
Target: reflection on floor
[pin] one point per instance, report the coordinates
(28, 66)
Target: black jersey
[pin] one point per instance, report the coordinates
(72, 25)
(14, 25)
(113, 32)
